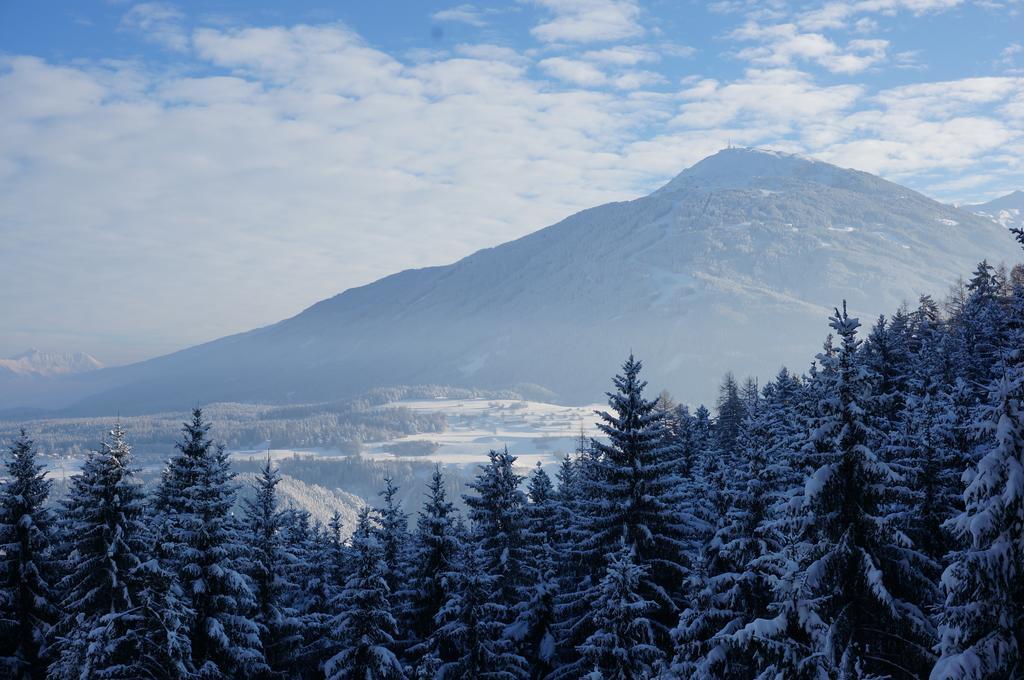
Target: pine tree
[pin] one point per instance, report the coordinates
(104, 534)
(731, 413)
(498, 514)
(316, 590)
(364, 626)
(983, 620)
(631, 491)
(394, 535)
(270, 564)
(738, 573)
(622, 645)
(862, 574)
(534, 628)
(27, 600)
(435, 550)
(467, 642)
(195, 499)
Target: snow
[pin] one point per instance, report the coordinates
(48, 364)
(532, 430)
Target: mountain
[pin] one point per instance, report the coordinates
(49, 364)
(1008, 211)
(734, 264)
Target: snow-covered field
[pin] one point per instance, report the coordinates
(533, 431)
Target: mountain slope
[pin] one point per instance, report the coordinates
(734, 264)
(1008, 211)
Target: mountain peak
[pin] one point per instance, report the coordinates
(751, 168)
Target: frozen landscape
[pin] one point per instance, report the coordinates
(534, 340)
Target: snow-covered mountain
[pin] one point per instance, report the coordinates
(734, 264)
(48, 364)
(1007, 211)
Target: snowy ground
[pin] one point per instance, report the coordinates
(533, 431)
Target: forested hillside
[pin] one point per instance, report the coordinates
(862, 520)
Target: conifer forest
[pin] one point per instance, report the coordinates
(863, 518)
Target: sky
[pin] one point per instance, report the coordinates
(173, 172)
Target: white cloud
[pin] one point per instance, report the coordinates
(782, 99)
(583, 21)
(574, 71)
(465, 14)
(336, 163)
(837, 14)
(623, 55)
(782, 44)
(159, 22)
(1011, 59)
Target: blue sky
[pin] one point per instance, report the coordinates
(173, 172)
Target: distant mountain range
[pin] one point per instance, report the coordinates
(48, 364)
(733, 265)
(1007, 210)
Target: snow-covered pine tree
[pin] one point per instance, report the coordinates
(982, 631)
(435, 549)
(622, 645)
(861, 573)
(316, 590)
(394, 535)
(363, 626)
(498, 515)
(978, 330)
(630, 488)
(467, 641)
(924, 449)
(338, 552)
(165, 639)
(738, 574)
(886, 356)
(269, 566)
(102, 630)
(732, 411)
(203, 542)
(533, 631)
(27, 600)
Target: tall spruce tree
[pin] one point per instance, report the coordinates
(983, 621)
(630, 490)
(467, 641)
(732, 411)
(270, 565)
(435, 550)
(317, 589)
(534, 629)
(203, 542)
(363, 626)
(622, 644)
(394, 535)
(498, 514)
(738, 574)
(862, 576)
(27, 599)
(103, 628)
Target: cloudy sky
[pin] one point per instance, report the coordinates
(174, 172)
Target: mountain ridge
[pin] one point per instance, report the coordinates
(1006, 211)
(691, 277)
